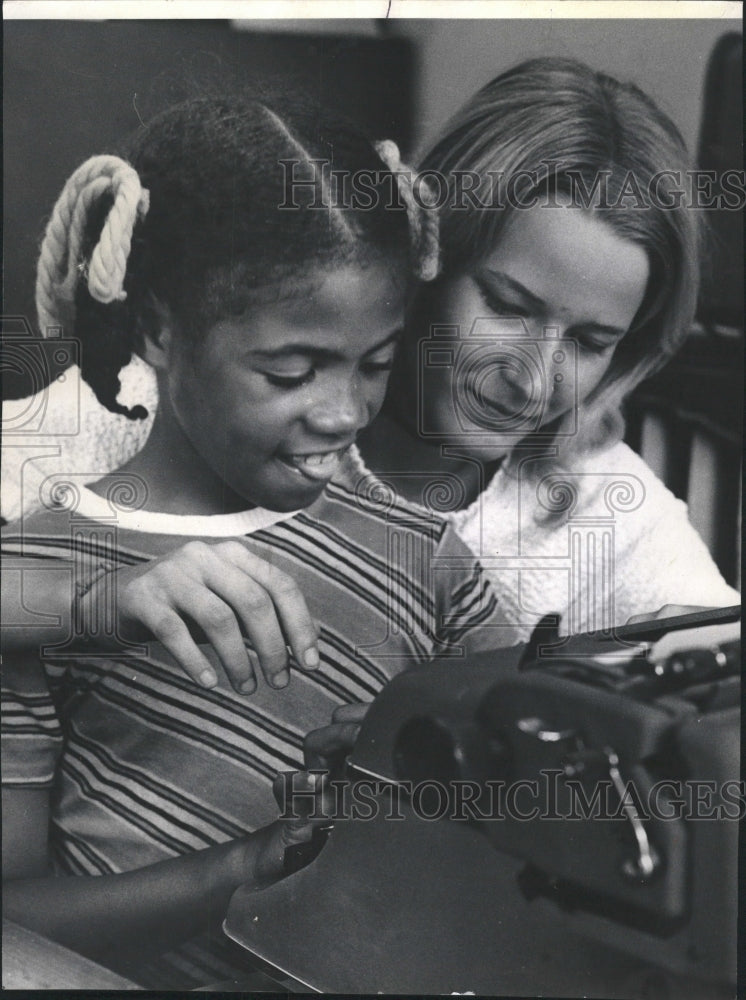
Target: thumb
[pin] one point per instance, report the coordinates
(300, 797)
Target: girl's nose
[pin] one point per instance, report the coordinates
(342, 410)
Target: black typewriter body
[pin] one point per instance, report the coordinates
(566, 823)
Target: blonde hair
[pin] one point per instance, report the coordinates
(541, 126)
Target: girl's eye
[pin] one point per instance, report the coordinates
(591, 346)
(290, 381)
(377, 367)
(500, 307)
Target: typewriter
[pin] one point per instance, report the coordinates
(559, 818)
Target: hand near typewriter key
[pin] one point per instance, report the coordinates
(126, 918)
(304, 812)
(689, 639)
(326, 748)
(678, 640)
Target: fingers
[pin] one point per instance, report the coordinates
(308, 810)
(287, 606)
(636, 619)
(304, 798)
(324, 748)
(295, 792)
(287, 844)
(702, 637)
(350, 713)
(266, 851)
(168, 628)
(245, 600)
(228, 593)
(217, 620)
(675, 610)
(163, 609)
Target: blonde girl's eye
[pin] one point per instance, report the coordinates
(591, 347)
(377, 367)
(597, 345)
(504, 309)
(290, 381)
(499, 306)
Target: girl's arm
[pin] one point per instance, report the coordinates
(214, 592)
(120, 919)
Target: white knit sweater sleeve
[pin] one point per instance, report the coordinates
(63, 430)
(663, 559)
(625, 548)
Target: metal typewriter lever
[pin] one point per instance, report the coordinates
(647, 861)
(536, 728)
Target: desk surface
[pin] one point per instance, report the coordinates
(33, 962)
(383, 908)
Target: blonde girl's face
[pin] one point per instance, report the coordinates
(534, 327)
(276, 397)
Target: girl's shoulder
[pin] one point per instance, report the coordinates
(606, 469)
(62, 531)
(377, 493)
(51, 534)
(364, 505)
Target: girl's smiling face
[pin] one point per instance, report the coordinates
(270, 401)
(570, 287)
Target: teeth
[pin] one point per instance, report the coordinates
(319, 465)
(321, 458)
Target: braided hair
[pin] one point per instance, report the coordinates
(198, 217)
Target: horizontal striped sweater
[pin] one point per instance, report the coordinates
(142, 763)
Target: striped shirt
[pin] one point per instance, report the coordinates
(145, 765)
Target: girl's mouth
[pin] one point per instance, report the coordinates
(317, 466)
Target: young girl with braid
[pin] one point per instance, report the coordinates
(135, 801)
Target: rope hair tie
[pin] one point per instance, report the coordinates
(60, 265)
(423, 218)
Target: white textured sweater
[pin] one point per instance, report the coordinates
(617, 543)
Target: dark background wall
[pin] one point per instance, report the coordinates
(73, 88)
(667, 57)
